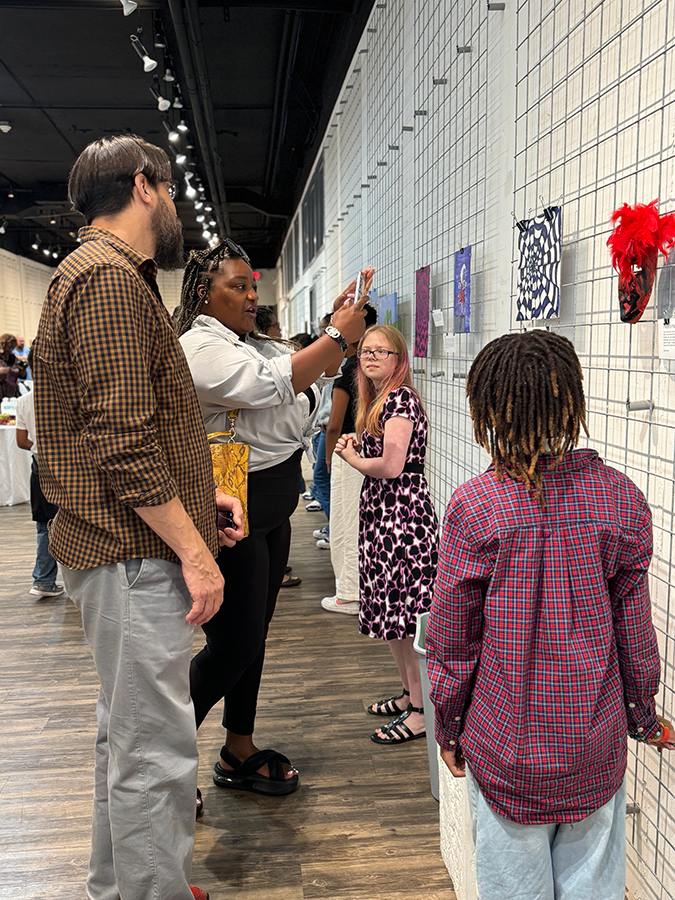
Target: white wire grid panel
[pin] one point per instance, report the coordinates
(23, 286)
(572, 102)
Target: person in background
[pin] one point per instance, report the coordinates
(540, 645)
(12, 369)
(45, 570)
(266, 323)
(398, 528)
(266, 381)
(124, 456)
(345, 486)
(20, 350)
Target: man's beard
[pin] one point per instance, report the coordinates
(168, 231)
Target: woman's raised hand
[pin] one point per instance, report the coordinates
(347, 296)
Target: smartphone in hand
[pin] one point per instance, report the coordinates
(225, 520)
(358, 290)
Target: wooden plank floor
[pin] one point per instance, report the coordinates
(362, 826)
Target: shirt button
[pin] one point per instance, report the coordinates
(640, 729)
(631, 706)
(452, 743)
(458, 718)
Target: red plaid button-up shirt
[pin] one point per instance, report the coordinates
(540, 644)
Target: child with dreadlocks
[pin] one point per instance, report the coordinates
(540, 644)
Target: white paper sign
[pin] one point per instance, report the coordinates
(437, 316)
(448, 344)
(666, 329)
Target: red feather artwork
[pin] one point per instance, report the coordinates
(639, 234)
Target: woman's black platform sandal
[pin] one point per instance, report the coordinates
(244, 776)
(397, 732)
(388, 707)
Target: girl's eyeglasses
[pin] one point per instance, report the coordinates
(375, 354)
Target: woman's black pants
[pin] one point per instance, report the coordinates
(230, 665)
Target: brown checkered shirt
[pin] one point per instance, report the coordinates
(117, 416)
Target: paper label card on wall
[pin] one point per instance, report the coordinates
(448, 344)
(422, 281)
(437, 316)
(666, 329)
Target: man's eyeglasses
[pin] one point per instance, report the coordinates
(172, 188)
(375, 354)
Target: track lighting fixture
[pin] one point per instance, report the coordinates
(168, 75)
(3, 226)
(5, 128)
(213, 223)
(206, 234)
(55, 253)
(128, 6)
(177, 102)
(182, 126)
(181, 159)
(36, 243)
(198, 204)
(162, 103)
(47, 251)
(200, 219)
(148, 64)
(190, 192)
(208, 209)
(172, 133)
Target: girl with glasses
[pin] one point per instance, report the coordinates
(398, 528)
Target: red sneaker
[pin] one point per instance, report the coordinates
(198, 893)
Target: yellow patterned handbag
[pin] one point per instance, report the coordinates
(230, 464)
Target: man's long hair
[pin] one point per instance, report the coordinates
(526, 399)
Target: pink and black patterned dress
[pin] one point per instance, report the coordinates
(398, 532)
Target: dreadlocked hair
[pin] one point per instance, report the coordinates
(526, 398)
(197, 273)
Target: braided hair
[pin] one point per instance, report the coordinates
(198, 270)
(526, 398)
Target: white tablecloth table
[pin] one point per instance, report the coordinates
(14, 469)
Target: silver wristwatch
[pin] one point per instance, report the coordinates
(332, 332)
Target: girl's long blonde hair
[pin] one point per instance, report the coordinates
(371, 401)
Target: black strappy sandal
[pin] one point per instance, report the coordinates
(397, 731)
(388, 707)
(244, 776)
(200, 805)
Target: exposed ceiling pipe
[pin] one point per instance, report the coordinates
(281, 111)
(280, 81)
(205, 141)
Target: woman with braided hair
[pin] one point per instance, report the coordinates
(540, 645)
(270, 386)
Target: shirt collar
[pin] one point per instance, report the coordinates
(572, 461)
(139, 260)
(211, 322)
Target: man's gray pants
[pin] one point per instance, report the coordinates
(133, 615)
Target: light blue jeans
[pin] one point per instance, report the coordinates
(584, 861)
(46, 569)
(145, 776)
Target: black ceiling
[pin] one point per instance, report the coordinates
(258, 80)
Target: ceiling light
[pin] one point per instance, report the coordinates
(168, 75)
(182, 126)
(5, 127)
(177, 102)
(3, 226)
(213, 223)
(47, 251)
(10, 196)
(148, 64)
(181, 158)
(52, 221)
(198, 204)
(173, 134)
(36, 243)
(190, 192)
(128, 6)
(200, 218)
(55, 254)
(162, 103)
(208, 209)
(206, 234)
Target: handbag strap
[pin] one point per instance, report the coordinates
(231, 434)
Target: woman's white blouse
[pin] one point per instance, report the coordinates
(253, 376)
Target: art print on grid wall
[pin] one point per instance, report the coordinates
(540, 255)
(462, 323)
(422, 280)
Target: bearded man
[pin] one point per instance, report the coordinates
(124, 456)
